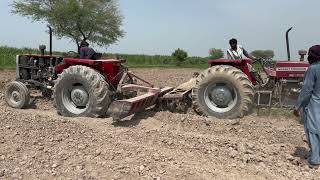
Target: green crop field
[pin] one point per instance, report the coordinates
(8, 54)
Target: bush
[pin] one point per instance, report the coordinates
(269, 54)
(215, 53)
(180, 56)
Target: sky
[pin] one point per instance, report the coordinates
(161, 26)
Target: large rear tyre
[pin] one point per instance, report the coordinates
(224, 92)
(17, 95)
(81, 92)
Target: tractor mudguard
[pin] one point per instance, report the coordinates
(239, 64)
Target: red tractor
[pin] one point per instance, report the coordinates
(80, 87)
(95, 88)
(228, 89)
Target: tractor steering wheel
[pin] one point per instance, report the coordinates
(72, 54)
(257, 60)
(264, 62)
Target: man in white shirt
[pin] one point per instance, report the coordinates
(237, 52)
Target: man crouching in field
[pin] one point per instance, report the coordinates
(309, 103)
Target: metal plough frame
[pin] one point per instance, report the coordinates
(122, 108)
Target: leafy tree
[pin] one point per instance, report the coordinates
(215, 53)
(96, 21)
(180, 56)
(263, 53)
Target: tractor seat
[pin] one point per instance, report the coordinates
(96, 56)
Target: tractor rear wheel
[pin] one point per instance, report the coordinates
(81, 92)
(17, 95)
(224, 92)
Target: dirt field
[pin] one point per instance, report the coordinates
(38, 144)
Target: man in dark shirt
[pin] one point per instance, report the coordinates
(86, 52)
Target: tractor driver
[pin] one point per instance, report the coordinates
(237, 52)
(86, 52)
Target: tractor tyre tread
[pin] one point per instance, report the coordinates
(98, 89)
(238, 78)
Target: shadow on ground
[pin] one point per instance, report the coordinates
(135, 119)
(301, 152)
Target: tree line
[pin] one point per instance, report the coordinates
(181, 56)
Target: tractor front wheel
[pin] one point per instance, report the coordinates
(224, 92)
(81, 92)
(17, 95)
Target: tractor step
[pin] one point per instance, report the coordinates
(264, 99)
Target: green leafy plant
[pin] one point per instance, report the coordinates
(180, 56)
(263, 54)
(215, 53)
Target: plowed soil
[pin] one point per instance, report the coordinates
(37, 143)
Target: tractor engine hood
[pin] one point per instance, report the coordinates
(288, 69)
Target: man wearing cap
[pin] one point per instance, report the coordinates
(309, 104)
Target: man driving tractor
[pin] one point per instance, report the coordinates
(86, 52)
(237, 52)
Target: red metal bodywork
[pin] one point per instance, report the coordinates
(107, 67)
(240, 64)
(280, 69)
(287, 69)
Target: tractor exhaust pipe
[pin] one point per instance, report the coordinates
(288, 44)
(50, 35)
